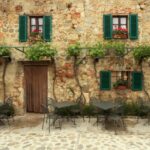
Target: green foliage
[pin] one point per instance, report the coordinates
(97, 51)
(74, 50)
(88, 110)
(39, 51)
(119, 48)
(5, 51)
(131, 108)
(7, 109)
(141, 52)
(120, 82)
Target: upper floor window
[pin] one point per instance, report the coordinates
(36, 24)
(120, 27)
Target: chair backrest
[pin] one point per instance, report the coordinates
(140, 101)
(44, 108)
(120, 100)
(80, 100)
(51, 104)
(51, 101)
(9, 101)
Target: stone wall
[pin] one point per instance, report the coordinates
(73, 20)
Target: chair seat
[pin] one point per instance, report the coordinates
(114, 117)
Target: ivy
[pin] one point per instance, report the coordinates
(97, 51)
(119, 48)
(5, 51)
(39, 51)
(140, 52)
(74, 50)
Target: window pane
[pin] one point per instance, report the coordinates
(115, 20)
(40, 21)
(115, 27)
(123, 26)
(40, 29)
(123, 20)
(33, 28)
(33, 21)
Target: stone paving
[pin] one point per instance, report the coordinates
(26, 134)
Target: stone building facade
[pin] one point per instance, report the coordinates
(73, 20)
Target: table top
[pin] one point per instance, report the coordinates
(105, 105)
(64, 104)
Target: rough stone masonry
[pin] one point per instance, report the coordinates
(73, 20)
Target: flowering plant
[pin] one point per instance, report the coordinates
(36, 35)
(120, 31)
(36, 32)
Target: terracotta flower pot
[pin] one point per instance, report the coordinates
(120, 36)
(121, 87)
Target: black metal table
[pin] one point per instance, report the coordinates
(64, 104)
(58, 106)
(105, 106)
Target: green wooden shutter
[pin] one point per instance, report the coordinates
(47, 28)
(133, 28)
(23, 30)
(137, 81)
(107, 26)
(105, 80)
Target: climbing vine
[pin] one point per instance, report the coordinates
(96, 52)
(5, 57)
(141, 53)
(74, 51)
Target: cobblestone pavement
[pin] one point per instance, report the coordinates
(26, 134)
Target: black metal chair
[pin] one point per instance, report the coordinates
(50, 114)
(78, 109)
(143, 109)
(117, 114)
(96, 111)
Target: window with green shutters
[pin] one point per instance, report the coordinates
(111, 25)
(107, 26)
(105, 80)
(38, 25)
(47, 28)
(137, 81)
(133, 19)
(23, 30)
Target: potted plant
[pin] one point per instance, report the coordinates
(120, 33)
(35, 36)
(120, 84)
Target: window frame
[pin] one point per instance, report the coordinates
(36, 24)
(119, 24)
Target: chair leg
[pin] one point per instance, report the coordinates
(60, 124)
(89, 118)
(43, 122)
(8, 122)
(123, 124)
(115, 125)
(49, 123)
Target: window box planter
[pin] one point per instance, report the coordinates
(121, 87)
(120, 36)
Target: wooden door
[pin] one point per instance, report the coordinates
(36, 84)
